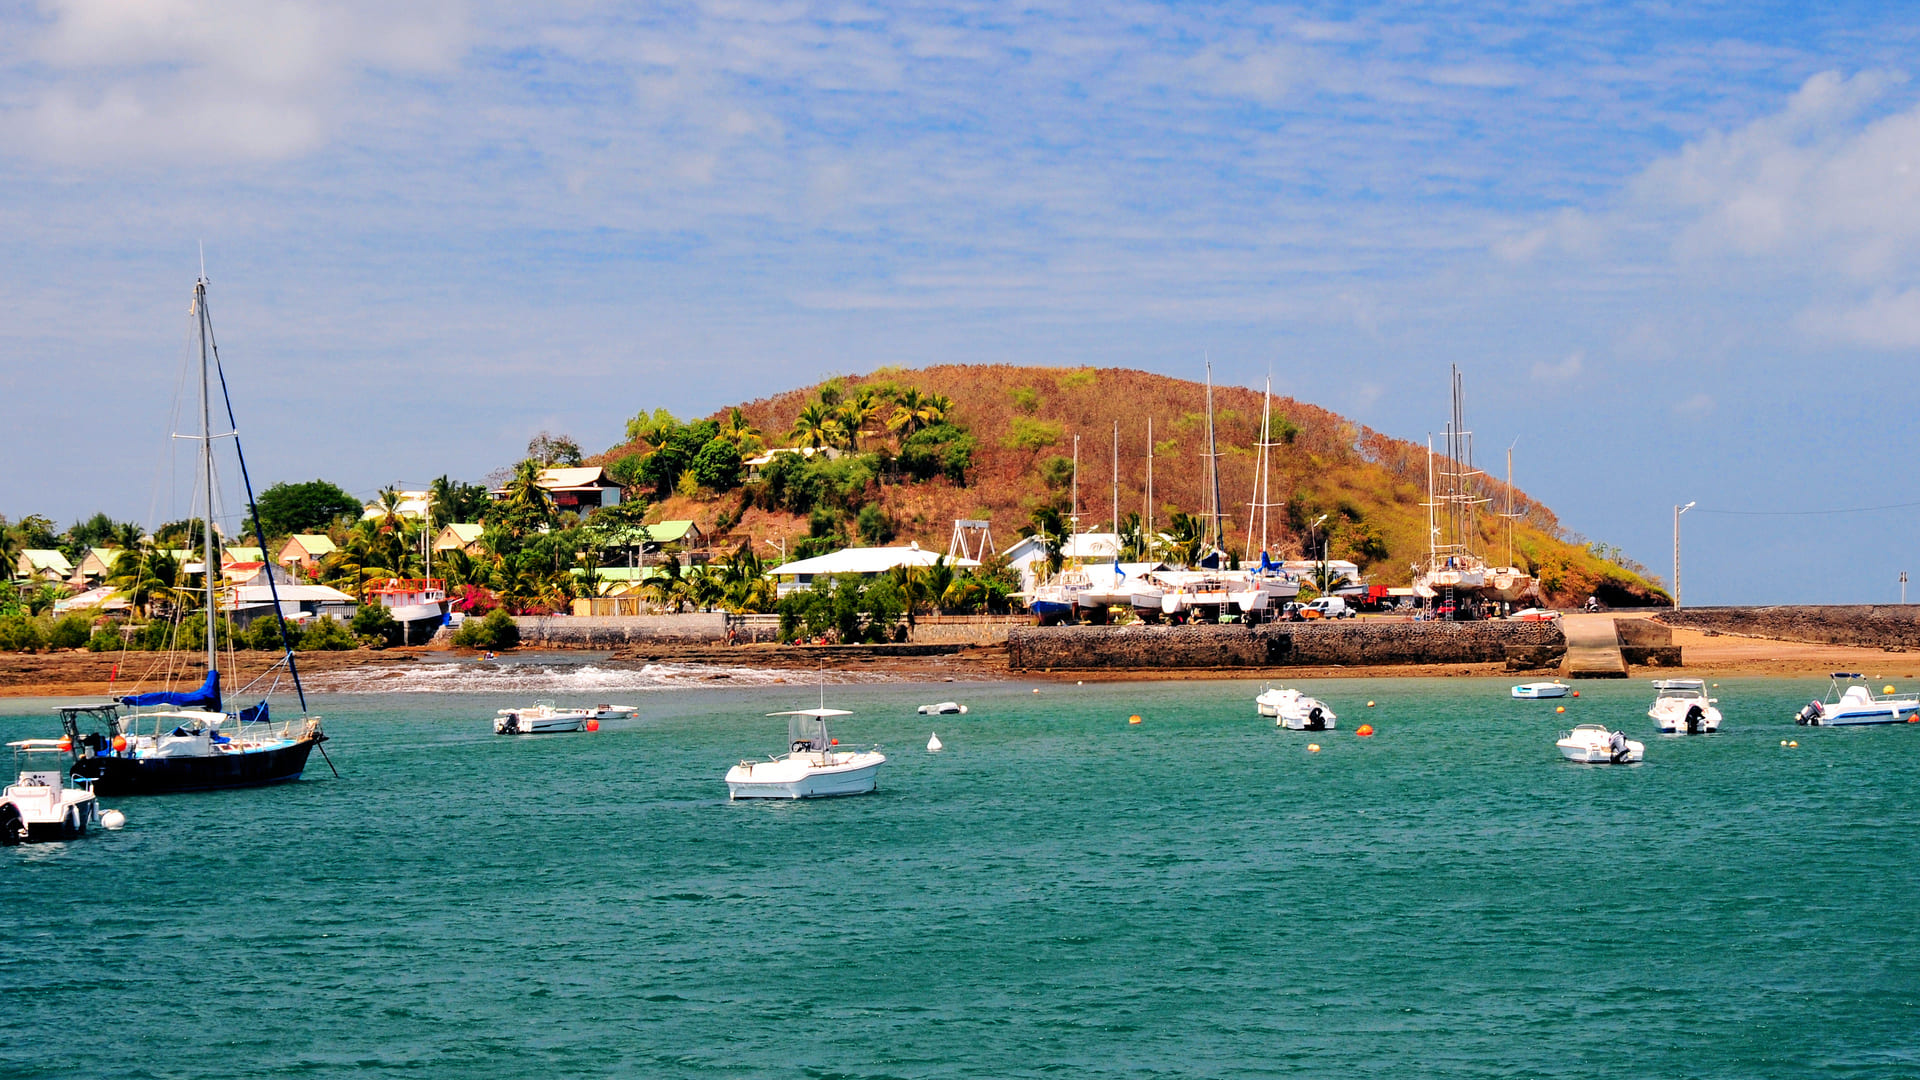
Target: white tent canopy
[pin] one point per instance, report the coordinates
(871, 560)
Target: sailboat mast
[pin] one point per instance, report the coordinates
(206, 466)
(1116, 481)
(1266, 463)
(1076, 484)
(1431, 530)
(1213, 470)
(1146, 519)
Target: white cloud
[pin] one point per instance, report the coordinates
(1560, 372)
(171, 80)
(1889, 319)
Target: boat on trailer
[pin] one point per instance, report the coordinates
(1856, 705)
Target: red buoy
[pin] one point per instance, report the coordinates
(1364, 731)
(593, 725)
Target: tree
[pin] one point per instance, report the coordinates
(717, 466)
(906, 413)
(527, 502)
(815, 426)
(1050, 529)
(451, 500)
(310, 507)
(554, 450)
(653, 428)
(856, 412)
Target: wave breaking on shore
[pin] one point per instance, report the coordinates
(570, 679)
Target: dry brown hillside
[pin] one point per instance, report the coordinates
(1371, 484)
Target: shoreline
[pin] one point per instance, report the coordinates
(77, 673)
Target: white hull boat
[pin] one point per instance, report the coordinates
(1681, 706)
(812, 768)
(612, 712)
(1294, 710)
(944, 708)
(1534, 691)
(1856, 706)
(1593, 744)
(542, 719)
(39, 805)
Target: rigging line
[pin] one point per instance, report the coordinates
(1807, 513)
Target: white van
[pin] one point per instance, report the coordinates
(1329, 607)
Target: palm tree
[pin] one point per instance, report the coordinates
(856, 412)
(526, 498)
(737, 427)
(1188, 533)
(906, 417)
(934, 409)
(143, 577)
(815, 426)
(1048, 527)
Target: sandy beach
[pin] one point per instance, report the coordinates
(78, 673)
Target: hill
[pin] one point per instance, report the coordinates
(1023, 420)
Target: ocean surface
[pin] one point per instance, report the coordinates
(1058, 893)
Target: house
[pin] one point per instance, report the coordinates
(754, 464)
(100, 598)
(305, 550)
(582, 488)
(1029, 557)
(43, 564)
(685, 534)
(96, 564)
(297, 602)
(459, 536)
(412, 504)
(250, 573)
(865, 562)
(241, 554)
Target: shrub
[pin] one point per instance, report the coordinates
(875, 526)
(325, 635)
(18, 633)
(69, 632)
(940, 450)
(717, 466)
(1026, 400)
(107, 638)
(374, 621)
(1031, 435)
(496, 631)
(264, 634)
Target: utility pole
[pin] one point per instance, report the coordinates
(1903, 586)
(1677, 511)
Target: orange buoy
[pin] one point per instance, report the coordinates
(1559, 708)
(1364, 731)
(1794, 742)
(593, 725)
(119, 742)
(1134, 719)
(66, 743)
(1313, 748)
(1576, 693)
(833, 742)
(1369, 704)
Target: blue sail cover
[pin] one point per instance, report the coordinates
(255, 715)
(207, 697)
(1267, 565)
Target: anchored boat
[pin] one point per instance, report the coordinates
(39, 805)
(1682, 705)
(1593, 744)
(813, 767)
(541, 719)
(1855, 705)
(1534, 691)
(1294, 710)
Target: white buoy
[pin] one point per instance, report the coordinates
(112, 819)
(934, 744)
(963, 709)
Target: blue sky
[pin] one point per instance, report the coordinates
(1673, 247)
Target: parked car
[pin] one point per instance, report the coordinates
(1328, 607)
(1293, 611)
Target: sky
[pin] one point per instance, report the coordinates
(1673, 248)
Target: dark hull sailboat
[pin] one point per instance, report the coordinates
(193, 743)
(165, 776)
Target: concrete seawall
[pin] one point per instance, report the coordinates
(606, 631)
(1317, 644)
(1882, 626)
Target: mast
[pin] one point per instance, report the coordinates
(1213, 470)
(1146, 520)
(206, 467)
(1116, 482)
(1262, 486)
(1076, 484)
(1432, 530)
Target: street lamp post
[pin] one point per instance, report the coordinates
(1677, 511)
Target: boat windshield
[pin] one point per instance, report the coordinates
(805, 732)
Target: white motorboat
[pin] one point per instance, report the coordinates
(1532, 691)
(812, 768)
(1682, 705)
(1856, 705)
(39, 805)
(944, 708)
(1294, 710)
(541, 719)
(611, 712)
(1593, 744)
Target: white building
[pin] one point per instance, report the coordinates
(865, 562)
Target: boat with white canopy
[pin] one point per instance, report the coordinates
(1856, 705)
(1682, 706)
(1294, 710)
(812, 768)
(39, 805)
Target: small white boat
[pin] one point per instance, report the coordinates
(542, 719)
(1595, 745)
(1682, 705)
(1534, 690)
(611, 712)
(39, 805)
(1855, 705)
(944, 708)
(812, 768)
(1294, 710)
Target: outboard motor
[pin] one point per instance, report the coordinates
(1316, 719)
(512, 724)
(1809, 715)
(1695, 714)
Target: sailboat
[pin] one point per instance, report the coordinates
(185, 740)
(1452, 566)
(1272, 581)
(1509, 584)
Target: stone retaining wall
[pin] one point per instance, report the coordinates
(605, 631)
(1881, 626)
(1315, 644)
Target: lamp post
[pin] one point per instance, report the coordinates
(1677, 511)
(1321, 584)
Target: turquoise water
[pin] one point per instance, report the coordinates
(1058, 893)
